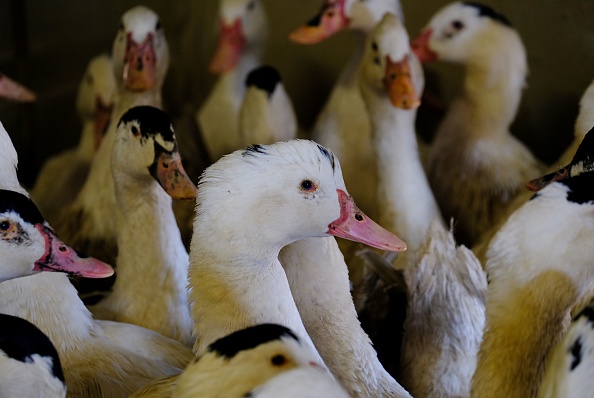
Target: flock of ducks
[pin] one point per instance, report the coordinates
(249, 294)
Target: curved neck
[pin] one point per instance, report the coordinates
(319, 281)
(86, 144)
(523, 324)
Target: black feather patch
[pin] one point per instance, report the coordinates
(576, 353)
(20, 204)
(20, 339)
(253, 149)
(249, 338)
(328, 155)
(588, 313)
(581, 188)
(486, 11)
(265, 78)
(152, 121)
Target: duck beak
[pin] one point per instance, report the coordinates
(354, 225)
(399, 85)
(420, 46)
(170, 173)
(60, 257)
(328, 21)
(101, 119)
(539, 183)
(14, 91)
(140, 64)
(231, 45)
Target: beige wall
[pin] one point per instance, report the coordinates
(64, 34)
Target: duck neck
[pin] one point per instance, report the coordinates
(350, 73)
(523, 324)
(407, 205)
(319, 281)
(235, 285)
(50, 302)
(151, 258)
(86, 144)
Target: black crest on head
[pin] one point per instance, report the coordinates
(252, 150)
(249, 338)
(585, 150)
(328, 155)
(486, 11)
(265, 78)
(20, 204)
(20, 339)
(152, 121)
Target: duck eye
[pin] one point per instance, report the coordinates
(251, 5)
(458, 25)
(374, 46)
(89, 79)
(376, 60)
(135, 131)
(278, 360)
(158, 25)
(121, 26)
(308, 186)
(5, 225)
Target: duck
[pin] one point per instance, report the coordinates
(29, 361)
(267, 114)
(233, 365)
(141, 57)
(62, 176)
(569, 367)
(150, 290)
(243, 32)
(343, 125)
(531, 290)
(476, 166)
(232, 287)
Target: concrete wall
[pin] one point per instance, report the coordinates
(64, 34)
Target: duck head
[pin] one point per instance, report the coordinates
(336, 15)
(29, 245)
(389, 67)
(242, 25)
(146, 148)
(140, 51)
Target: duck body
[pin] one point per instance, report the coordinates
(476, 167)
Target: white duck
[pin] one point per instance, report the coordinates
(437, 273)
(150, 289)
(141, 57)
(570, 366)
(62, 176)
(242, 38)
(267, 113)
(29, 363)
(532, 290)
(476, 167)
(235, 364)
(344, 124)
(290, 191)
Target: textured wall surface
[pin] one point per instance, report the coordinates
(62, 35)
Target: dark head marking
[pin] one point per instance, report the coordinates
(20, 339)
(585, 150)
(152, 121)
(581, 188)
(20, 204)
(328, 155)
(576, 353)
(253, 149)
(486, 11)
(249, 338)
(265, 78)
(587, 313)
(317, 19)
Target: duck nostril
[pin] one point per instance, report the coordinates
(358, 217)
(63, 249)
(165, 165)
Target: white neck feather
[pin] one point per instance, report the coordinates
(86, 144)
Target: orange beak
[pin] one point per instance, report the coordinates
(328, 21)
(420, 46)
(101, 118)
(140, 64)
(171, 175)
(229, 49)
(399, 85)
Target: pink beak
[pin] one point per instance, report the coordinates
(59, 257)
(12, 90)
(354, 225)
(229, 49)
(420, 46)
(140, 66)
